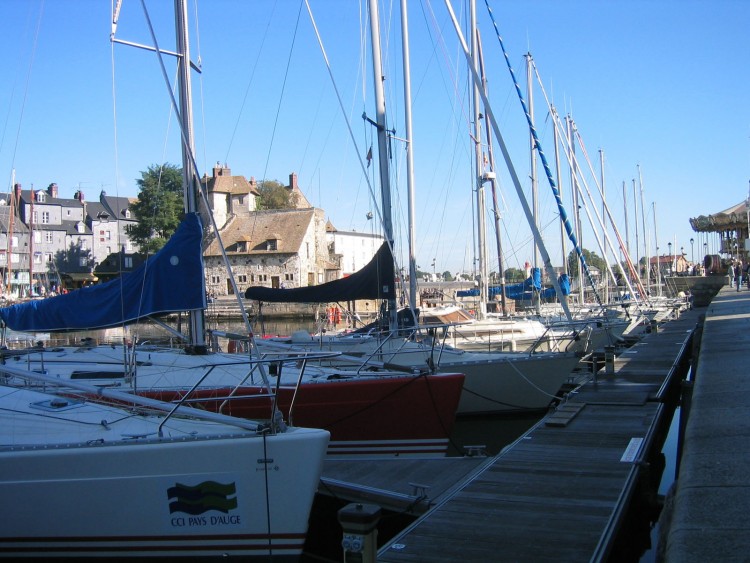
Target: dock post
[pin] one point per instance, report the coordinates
(359, 522)
(609, 359)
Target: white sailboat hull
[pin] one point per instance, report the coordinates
(202, 489)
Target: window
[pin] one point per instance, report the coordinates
(108, 235)
(271, 244)
(84, 244)
(127, 214)
(3, 257)
(13, 242)
(83, 261)
(215, 280)
(15, 258)
(128, 262)
(289, 277)
(45, 217)
(48, 237)
(37, 237)
(81, 228)
(37, 258)
(49, 258)
(242, 278)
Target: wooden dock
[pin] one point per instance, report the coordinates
(560, 493)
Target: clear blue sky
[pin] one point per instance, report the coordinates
(652, 83)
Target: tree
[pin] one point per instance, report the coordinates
(447, 276)
(514, 275)
(274, 195)
(592, 259)
(159, 207)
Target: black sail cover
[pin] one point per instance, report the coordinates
(374, 281)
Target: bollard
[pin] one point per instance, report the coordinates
(609, 359)
(359, 522)
(654, 326)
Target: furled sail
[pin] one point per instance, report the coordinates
(374, 281)
(170, 281)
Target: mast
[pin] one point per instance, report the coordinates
(31, 240)
(534, 181)
(11, 217)
(627, 226)
(409, 158)
(189, 178)
(385, 186)
(645, 234)
(658, 254)
(481, 220)
(558, 175)
(574, 188)
(635, 221)
(604, 221)
(491, 177)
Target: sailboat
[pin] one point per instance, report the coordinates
(89, 471)
(368, 411)
(141, 478)
(495, 382)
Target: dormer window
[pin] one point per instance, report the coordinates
(41, 196)
(127, 214)
(81, 228)
(241, 246)
(271, 244)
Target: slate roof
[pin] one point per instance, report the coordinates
(287, 227)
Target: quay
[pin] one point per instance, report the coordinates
(708, 513)
(565, 489)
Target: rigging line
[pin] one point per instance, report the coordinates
(283, 88)
(26, 85)
(250, 82)
(117, 159)
(574, 164)
(545, 164)
(196, 175)
(511, 168)
(199, 65)
(346, 119)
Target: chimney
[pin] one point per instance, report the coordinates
(220, 170)
(52, 190)
(293, 182)
(79, 196)
(18, 192)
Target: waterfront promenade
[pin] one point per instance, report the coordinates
(710, 511)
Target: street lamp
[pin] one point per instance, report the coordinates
(692, 251)
(705, 248)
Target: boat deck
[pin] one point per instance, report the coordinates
(562, 490)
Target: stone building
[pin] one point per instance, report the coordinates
(282, 248)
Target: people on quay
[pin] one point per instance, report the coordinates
(738, 274)
(730, 272)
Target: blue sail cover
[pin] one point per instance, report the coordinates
(375, 281)
(525, 289)
(170, 281)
